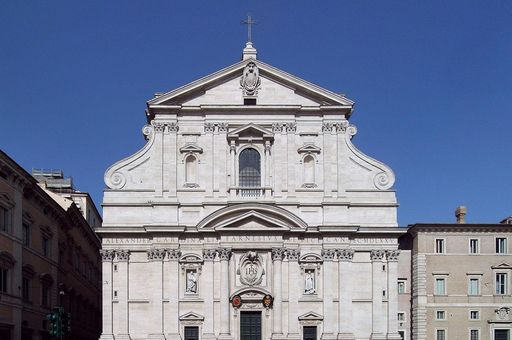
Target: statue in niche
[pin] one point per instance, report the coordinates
(309, 282)
(191, 282)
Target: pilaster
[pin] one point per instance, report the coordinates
(345, 291)
(392, 257)
(277, 286)
(208, 310)
(122, 257)
(378, 320)
(171, 321)
(294, 291)
(106, 268)
(156, 257)
(328, 256)
(225, 324)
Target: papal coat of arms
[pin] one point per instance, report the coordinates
(250, 80)
(251, 269)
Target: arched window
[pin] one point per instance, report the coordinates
(249, 166)
(309, 169)
(190, 169)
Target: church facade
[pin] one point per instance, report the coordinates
(250, 214)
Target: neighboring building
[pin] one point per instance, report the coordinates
(462, 279)
(48, 258)
(250, 214)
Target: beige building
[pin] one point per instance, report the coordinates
(461, 281)
(48, 258)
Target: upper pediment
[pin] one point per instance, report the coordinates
(266, 87)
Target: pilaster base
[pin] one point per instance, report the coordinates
(107, 337)
(123, 337)
(294, 336)
(156, 336)
(378, 336)
(328, 336)
(394, 336)
(225, 337)
(173, 336)
(346, 336)
(208, 336)
(278, 336)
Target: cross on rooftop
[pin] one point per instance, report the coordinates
(249, 22)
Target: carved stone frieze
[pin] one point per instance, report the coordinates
(250, 80)
(392, 255)
(209, 254)
(278, 254)
(377, 254)
(122, 254)
(156, 254)
(346, 255)
(173, 254)
(224, 254)
(293, 254)
(328, 254)
(107, 255)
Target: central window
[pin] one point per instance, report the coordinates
(249, 168)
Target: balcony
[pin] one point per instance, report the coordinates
(250, 193)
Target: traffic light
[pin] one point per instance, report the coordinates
(65, 323)
(55, 323)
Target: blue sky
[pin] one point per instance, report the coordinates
(432, 81)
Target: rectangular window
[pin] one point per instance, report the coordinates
(45, 296)
(4, 219)
(402, 335)
(501, 334)
(3, 280)
(473, 246)
(501, 245)
(46, 246)
(501, 283)
(401, 287)
(474, 286)
(474, 315)
(440, 246)
(440, 334)
(26, 234)
(401, 316)
(25, 291)
(440, 315)
(440, 288)
(474, 334)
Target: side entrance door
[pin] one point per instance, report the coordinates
(250, 326)
(501, 334)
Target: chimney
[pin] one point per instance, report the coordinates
(460, 214)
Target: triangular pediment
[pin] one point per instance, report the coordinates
(253, 221)
(191, 147)
(502, 266)
(309, 148)
(276, 88)
(191, 317)
(311, 316)
(250, 130)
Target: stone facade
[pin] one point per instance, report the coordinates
(250, 203)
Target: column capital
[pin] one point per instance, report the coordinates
(377, 254)
(328, 254)
(209, 254)
(224, 254)
(173, 254)
(107, 255)
(293, 254)
(278, 254)
(155, 254)
(122, 255)
(392, 255)
(345, 255)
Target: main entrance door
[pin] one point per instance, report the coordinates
(250, 326)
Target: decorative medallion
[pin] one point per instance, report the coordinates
(267, 301)
(236, 301)
(251, 269)
(250, 80)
